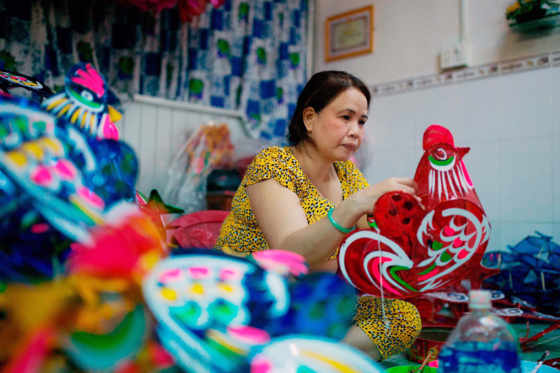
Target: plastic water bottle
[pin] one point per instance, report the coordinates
(481, 342)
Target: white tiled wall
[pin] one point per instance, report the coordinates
(157, 132)
(512, 125)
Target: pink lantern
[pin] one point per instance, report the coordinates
(154, 5)
(187, 8)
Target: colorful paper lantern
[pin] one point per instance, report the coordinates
(10, 80)
(212, 307)
(311, 355)
(84, 103)
(35, 152)
(56, 183)
(214, 310)
(415, 248)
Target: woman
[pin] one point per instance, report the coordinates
(305, 197)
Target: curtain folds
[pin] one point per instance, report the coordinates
(246, 55)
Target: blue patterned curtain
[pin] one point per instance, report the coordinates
(138, 52)
(247, 55)
(250, 56)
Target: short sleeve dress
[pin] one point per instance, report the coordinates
(392, 325)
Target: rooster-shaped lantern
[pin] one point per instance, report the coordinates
(415, 248)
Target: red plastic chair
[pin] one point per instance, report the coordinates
(197, 230)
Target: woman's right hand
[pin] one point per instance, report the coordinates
(364, 200)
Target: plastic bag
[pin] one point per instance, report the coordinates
(207, 148)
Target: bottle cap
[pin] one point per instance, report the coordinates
(480, 300)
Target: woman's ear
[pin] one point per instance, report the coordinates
(309, 118)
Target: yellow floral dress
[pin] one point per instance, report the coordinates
(394, 325)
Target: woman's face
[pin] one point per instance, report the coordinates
(338, 129)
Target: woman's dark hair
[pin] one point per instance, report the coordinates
(319, 91)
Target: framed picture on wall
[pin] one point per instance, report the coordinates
(349, 34)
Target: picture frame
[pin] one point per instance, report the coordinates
(350, 34)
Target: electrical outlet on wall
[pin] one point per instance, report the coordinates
(453, 56)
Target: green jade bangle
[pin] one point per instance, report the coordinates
(338, 226)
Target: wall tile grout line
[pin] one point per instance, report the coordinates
(501, 244)
(491, 70)
(551, 150)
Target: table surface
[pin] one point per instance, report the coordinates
(533, 352)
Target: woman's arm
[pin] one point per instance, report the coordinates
(282, 220)
(362, 223)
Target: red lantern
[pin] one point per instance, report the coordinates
(415, 248)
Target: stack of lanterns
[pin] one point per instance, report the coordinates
(88, 283)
